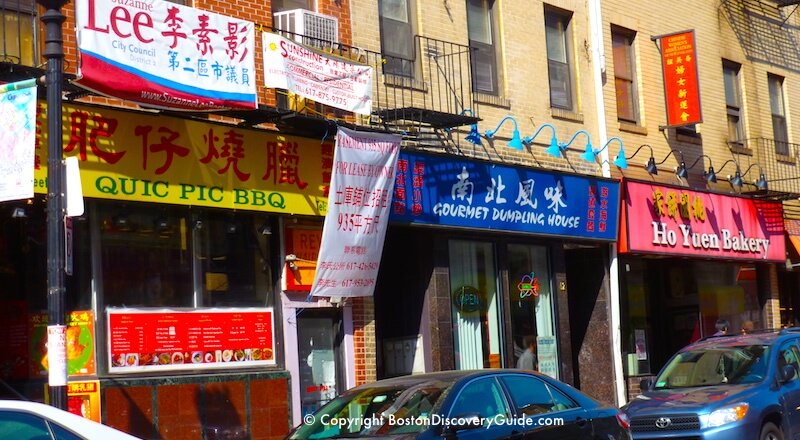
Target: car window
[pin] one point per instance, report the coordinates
(789, 355)
(483, 397)
(62, 433)
(23, 426)
(532, 395)
(709, 366)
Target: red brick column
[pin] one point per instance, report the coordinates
(364, 340)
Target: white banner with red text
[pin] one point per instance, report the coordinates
(165, 55)
(358, 213)
(321, 77)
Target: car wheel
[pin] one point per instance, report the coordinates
(771, 432)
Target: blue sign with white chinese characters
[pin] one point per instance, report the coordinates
(446, 191)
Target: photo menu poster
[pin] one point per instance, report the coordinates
(160, 340)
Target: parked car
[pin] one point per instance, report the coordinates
(20, 420)
(724, 387)
(478, 404)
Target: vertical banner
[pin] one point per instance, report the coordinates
(681, 88)
(358, 213)
(17, 139)
(165, 55)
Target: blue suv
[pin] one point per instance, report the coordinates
(724, 387)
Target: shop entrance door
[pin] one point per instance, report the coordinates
(319, 346)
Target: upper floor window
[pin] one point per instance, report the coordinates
(18, 36)
(624, 74)
(559, 57)
(777, 107)
(733, 101)
(288, 5)
(483, 55)
(397, 37)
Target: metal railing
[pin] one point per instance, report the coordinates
(18, 32)
(430, 90)
(780, 162)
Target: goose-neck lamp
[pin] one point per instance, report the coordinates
(516, 140)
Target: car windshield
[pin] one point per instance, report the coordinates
(369, 412)
(715, 366)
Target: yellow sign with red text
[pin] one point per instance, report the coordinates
(135, 156)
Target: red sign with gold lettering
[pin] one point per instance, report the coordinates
(681, 89)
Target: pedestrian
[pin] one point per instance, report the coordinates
(528, 359)
(747, 327)
(722, 327)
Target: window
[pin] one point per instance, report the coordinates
(475, 305)
(777, 107)
(532, 396)
(483, 397)
(397, 37)
(559, 70)
(733, 102)
(624, 74)
(481, 42)
(15, 424)
(288, 5)
(173, 257)
(18, 37)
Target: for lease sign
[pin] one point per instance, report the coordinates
(164, 55)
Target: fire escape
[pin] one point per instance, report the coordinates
(768, 33)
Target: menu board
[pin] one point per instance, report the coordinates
(145, 340)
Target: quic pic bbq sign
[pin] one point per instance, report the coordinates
(180, 340)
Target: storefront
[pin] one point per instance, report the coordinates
(687, 259)
(481, 257)
(174, 273)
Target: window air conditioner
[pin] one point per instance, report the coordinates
(307, 27)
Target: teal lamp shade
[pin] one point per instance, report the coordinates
(474, 137)
(554, 149)
(589, 155)
(516, 140)
(620, 161)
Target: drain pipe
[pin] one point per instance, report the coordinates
(599, 67)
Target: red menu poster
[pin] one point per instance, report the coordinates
(168, 340)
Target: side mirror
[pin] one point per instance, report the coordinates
(787, 373)
(646, 384)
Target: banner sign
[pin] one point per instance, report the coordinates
(17, 139)
(165, 55)
(134, 156)
(681, 87)
(79, 339)
(678, 221)
(324, 78)
(440, 190)
(147, 340)
(358, 213)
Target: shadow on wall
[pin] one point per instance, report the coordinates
(221, 420)
(139, 423)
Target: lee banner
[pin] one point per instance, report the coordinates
(324, 78)
(165, 55)
(135, 156)
(446, 191)
(17, 139)
(358, 213)
(678, 221)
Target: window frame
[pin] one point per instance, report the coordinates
(483, 54)
(627, 38)
(777, 101)
(398, 64)
(563, 21)
(25, 54)
(279, 6)
(733, 101)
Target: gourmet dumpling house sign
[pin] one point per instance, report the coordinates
(675, 220)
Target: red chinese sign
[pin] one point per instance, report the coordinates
(171, 340)
(681, 89)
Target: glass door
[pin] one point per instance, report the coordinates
(319, 340)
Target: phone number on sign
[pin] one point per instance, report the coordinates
(433, 420)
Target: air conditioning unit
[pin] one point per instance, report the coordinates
(307, 27)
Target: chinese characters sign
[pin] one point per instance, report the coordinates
(680, 221)
(138, 157)
(358, 213)
(681, 90)
(326, 79)
(17, 135)
(142, 340)
(439, 190)
(165, 55)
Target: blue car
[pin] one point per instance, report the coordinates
(724, 388)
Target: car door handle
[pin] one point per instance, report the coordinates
(580, 421)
